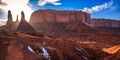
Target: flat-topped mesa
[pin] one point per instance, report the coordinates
(99, 22)
(59, 16)
(56, 20)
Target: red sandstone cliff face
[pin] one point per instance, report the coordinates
(57, 20)
(59, 16)
(105, 23)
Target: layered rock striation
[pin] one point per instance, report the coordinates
(105, 23)
(52, 20)
(59, 16)
(49, 20)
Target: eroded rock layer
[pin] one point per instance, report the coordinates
(50, 20)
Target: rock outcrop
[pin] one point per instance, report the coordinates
(24, 26)
(45, 17)
(52, 20)
(59, 16)
(16, 23)
(11, 25)
(105, 23)
(10, 20)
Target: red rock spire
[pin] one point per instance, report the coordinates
(22, 16)
(17, 19)
(10, 20)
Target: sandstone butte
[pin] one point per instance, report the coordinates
(48, 19)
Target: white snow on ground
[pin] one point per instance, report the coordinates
(47, 37)
(90, 25)
(85, 58)
(45, 53)
(83, 51)
(30, 49)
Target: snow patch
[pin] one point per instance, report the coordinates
(47, 37)
(30, 49)
(83, 51)
(90, 25)
(85, 58)
(45, 53)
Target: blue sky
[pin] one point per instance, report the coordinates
(109, 9)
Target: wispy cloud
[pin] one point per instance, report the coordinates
(2, 22)
(98, 7)
(44, 2)
(16, 6)
(2, 3)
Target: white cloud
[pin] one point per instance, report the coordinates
(98, 8)
(2, 3)
(2, 22)
(16, 6)
(44, 2)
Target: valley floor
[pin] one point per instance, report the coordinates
(66, 45)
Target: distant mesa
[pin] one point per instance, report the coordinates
(52, 20)
(59, 20)
(105, 23)
(59, 16)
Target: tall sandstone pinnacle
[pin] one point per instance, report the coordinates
(24, 26)
(17, 19)
(16, 23)
(10, 20)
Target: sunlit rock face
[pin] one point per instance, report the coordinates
(50, 20)
(24, 26)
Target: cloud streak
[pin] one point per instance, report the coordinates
(2, 3)
(98, 7)
(2, 22)
(44, 2)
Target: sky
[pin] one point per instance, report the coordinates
(109, 9)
